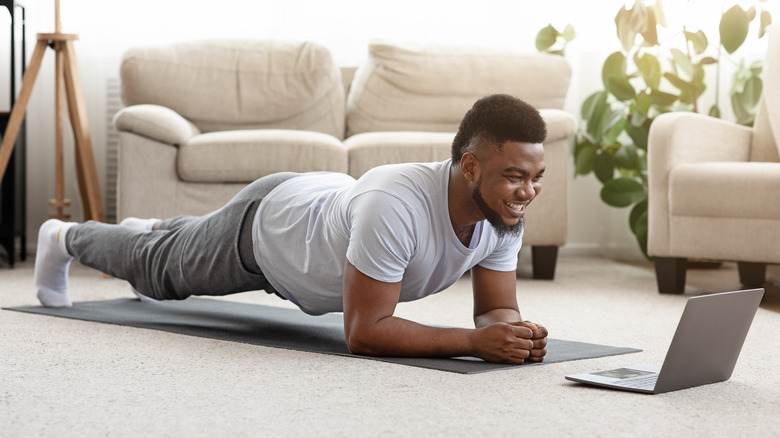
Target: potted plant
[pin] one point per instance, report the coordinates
(645, 78)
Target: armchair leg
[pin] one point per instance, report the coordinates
(751, 274)
(543, 259)
(670, 274)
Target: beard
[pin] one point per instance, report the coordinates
(492, 216)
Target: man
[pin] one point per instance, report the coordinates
(329, 243)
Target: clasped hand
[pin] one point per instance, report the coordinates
(513, 342)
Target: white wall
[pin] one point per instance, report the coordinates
(107, 28)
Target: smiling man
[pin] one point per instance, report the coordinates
(329, 243)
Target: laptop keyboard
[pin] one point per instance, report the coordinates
(643, 382)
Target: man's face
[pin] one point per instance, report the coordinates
(507, 181)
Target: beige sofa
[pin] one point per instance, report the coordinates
(203, 119)
(714, 189)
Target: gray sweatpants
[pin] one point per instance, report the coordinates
(188, 255)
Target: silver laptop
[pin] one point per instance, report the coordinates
(704, 349)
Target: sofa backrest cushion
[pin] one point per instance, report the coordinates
(429, 87)
(229, 84)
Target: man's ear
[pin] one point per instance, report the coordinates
(469, 166)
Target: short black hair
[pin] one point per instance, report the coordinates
(496, 119)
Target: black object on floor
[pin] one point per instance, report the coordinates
(281, 328)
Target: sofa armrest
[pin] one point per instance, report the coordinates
(679, 138)
(155, 122)
(560, 124)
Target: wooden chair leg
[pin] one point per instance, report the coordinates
(670, 274)
(544, 259)
(752, 274)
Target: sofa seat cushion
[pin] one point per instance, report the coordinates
(429, 87)
(725, 189)
(243, 156)
(372, 149)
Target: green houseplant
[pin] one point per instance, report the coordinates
(648, 77)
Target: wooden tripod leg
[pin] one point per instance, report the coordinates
(85, 159)
(59, 157)
(17, 113)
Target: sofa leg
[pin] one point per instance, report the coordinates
(752, 274)
(670, 274)
(543, 259)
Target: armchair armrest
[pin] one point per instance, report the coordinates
(155, 122)
(679, 138)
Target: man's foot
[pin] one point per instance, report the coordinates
(141, 224)
(52, 262)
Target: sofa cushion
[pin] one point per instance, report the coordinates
(372, 149)
(243, 156)
(725, 189)
(231, 84)
(426, 87)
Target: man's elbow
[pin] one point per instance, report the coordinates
(359, 344)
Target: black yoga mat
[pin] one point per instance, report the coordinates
(281, 328)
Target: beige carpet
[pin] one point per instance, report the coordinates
(65, 378)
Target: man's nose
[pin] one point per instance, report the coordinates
(525, 190)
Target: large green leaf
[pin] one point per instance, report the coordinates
(714, 111)
(734, 26)
(637, 211)
(741, 111)
(688, 90)
(622, 192)
(613, 74)
(546, 38)
(650, 68)
(658, 11)
(568, 32)
(682, 62)
(766, 21)
(752, 91)
(625, 32)
(614, 66)
(620, 87)
(619, 125)
(599, 116)
(626, 157)
(698, 40)
(639, 134)
(650, 31)
(584, 160)
(604, 166)
(637, 222)
(662, 98)
(594, 103)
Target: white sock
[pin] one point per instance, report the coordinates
(52, 262)
(140, 224)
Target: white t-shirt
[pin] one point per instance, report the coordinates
(392, 224)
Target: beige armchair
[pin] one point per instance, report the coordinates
(205, 118)
(407, 100)
(714, 189)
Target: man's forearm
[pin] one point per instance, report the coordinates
(393, 336)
